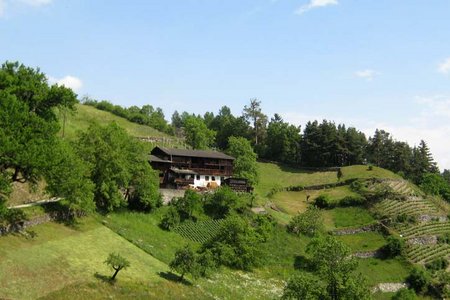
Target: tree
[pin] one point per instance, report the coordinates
(394, 246)
(245, 165)
(335, 267)
(185, 262)
(171, 219)
(223, 202)
(189, 203)
(67, 176)
(227, 125)
(308, 223)
(303, 286)
(254, 114)
(117, 262)
(435, 184)
(236, 245)
(119, 168)
(404, 294)
(419, 279)
(197, 134)
(283, 141)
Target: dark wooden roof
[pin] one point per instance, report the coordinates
(193, 153)
(154, 158)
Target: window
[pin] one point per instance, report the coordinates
(213, 178)
(198, 177)
(207, 178)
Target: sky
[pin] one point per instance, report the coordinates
(369, 64)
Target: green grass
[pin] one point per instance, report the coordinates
(342, 217)
(143, 230)
(295, 202)
(381, 270)
(276, 175)
(365, 241)
(362, 171)
(85, 115)
(60, 256)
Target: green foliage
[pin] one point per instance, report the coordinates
(309, 223)
(419, 279)
(333, 265)
(245, 165)
(437, 264)
(188, 204)
(144, 194)
(236, 245)
(323, 201)
(171, 219)
(303, 286)
(444, 239)
(435, 184)
(117, 262)
(197, 133)
(352, 200)
(185, 262)
(283, 141)
(224, 201)
(226, 125)
(394, 246)
(68, 177)
(404, 294)
(206, 263)
(264, 226)
(118, 163)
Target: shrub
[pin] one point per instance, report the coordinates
(437, 264)
(357, 186)
(171, 219)
(419, 280)
(223, 201)
(352, 200)
(444, 239)
(370, 168)
(308, 223)
(404, 294)
(394, 246)
(323, 201)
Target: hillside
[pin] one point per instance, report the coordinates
(86, 115)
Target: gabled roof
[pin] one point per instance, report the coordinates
(194, 153)
(154, 158)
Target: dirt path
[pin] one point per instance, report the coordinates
(40, 202)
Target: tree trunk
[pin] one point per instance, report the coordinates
(115, 273)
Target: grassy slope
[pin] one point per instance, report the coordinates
(86, 115)
(61, 256)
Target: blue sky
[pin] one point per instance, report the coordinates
(370, 64)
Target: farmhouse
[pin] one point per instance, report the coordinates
(180, 168)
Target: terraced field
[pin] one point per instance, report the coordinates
(426, 253)
(200, 231)
(429, 228)
(412, 206)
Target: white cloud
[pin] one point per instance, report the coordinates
(36, 2)
(444, 67)
(367, 74)
(68, 81)
(6, 4)
(315, 4)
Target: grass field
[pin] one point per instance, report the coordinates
(60, 256)
(277, 175)
(365, 241)
(342, 217)
(362, 171)
(85, 115)
(295, 202)
(380, 270)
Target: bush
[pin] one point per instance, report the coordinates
(171, 219)
(437, 264)
(323, 201)
(223, 201)
(405, 294)
(419, 280)
(444, 239)
(357, 186)
(352, 200)
(394, 246)
(309, 223)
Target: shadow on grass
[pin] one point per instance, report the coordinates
(104, 278)
(303, 263)
(173, 277)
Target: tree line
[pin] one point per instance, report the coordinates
(318, 145)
